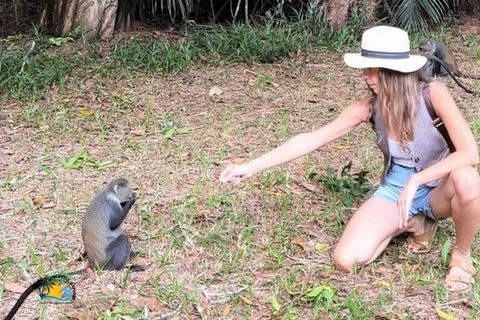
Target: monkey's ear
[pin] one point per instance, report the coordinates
(115, 188)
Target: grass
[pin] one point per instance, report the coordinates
(261, 249)
(57, 62)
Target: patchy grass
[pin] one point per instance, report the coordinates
(259, 250)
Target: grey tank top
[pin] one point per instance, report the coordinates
(427, 148)
(399, 155)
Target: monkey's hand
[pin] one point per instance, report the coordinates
(130, 201)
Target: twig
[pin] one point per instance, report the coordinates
(224, 295)
(443, 305)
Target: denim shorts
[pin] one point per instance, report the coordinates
(396, 178)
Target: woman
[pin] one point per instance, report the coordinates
(423, 181)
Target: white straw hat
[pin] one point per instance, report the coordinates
(385, 47)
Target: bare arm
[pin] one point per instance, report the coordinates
(305, 143)
(301, 144)
(466, 153)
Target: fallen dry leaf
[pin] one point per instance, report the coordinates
(13, 287)
(85, 111)
(49, 205)
(38, 201)
(215, 91)
(139, 260)
(246, 300)
(226, 310)
(239, 160)
(153, 304)
(414, 267)
(106, 290)
(138, 132)
(90, 274)
(444, 315)
(299, 241)
(309, 186)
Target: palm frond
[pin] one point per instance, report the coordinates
(415, 15)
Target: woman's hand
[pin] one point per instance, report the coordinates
(236, 173)
(404, 202)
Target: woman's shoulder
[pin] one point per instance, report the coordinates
(436, 86)
(440, 97)
(361, 108)
(438, 89)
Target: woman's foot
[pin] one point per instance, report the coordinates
(461, 271)
(422, 230)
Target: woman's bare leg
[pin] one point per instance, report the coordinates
(458, 196)
(367, 234)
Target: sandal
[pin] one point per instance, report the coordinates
(420, 243)
(467, 278)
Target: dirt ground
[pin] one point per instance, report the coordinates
(269, 237)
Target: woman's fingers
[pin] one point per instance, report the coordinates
(227, 174)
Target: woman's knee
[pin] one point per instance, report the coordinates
(343, 260)
(466, 182)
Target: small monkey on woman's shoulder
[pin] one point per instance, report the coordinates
(442, 52)
(104, 242)
(442, 62)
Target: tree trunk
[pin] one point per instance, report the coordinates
(337, 12)
(369, 8)
(122, 21)
(95, 17)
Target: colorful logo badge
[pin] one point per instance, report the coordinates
(57, 289)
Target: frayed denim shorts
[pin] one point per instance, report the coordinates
(397, 177)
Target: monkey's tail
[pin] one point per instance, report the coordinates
(449, 72)
(37, 284)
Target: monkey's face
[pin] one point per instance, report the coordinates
(132, 198)
(126, 194)
(426, 46)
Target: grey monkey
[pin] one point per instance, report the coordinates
(104, 242)
(441, 51)
(441, 62)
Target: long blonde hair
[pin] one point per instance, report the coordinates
(397, 101)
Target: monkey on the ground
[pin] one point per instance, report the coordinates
(105, 245)
(104, 242)
(441, 62)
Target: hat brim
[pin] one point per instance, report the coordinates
(410, 64)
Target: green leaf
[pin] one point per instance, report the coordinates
(445, 250)
(275, 304)
(315, 292)
(414, 15)
(59, 41)
(322, 247)
(312, 175)
(183, 130)
(12, 38)
(347, 200)
(169, 133)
